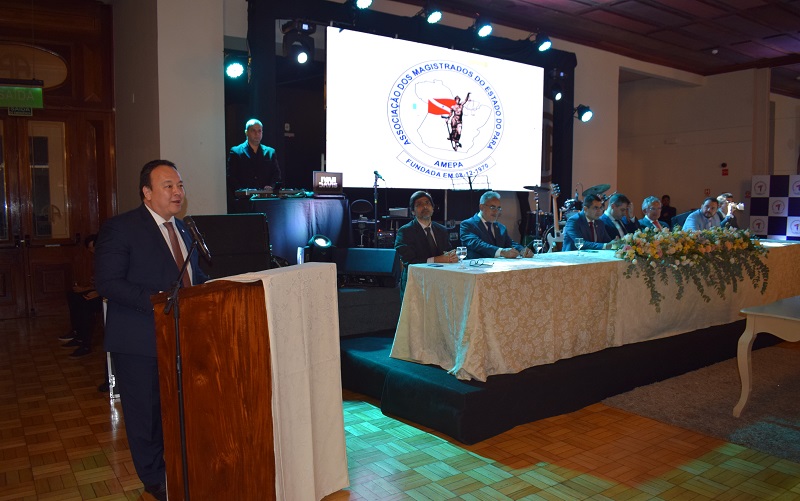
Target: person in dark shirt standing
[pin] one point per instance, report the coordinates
(667, 211)
(252, 164)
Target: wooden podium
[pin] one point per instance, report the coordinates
(227, 392)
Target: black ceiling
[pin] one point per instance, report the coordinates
(706, 37)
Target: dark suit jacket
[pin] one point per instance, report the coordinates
(248, 169)
(646, 223)
(667, 213)
(476, 238)
(728, 221)
(411, 245)
(628, 226)
(133, 262)
(578, 227)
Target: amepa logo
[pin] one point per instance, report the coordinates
(447, 118)
(760, 189)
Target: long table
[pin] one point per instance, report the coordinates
(501, 319)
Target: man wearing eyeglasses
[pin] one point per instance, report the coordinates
(484, 237)
(587, 225)
(422, 240)
(651, 206)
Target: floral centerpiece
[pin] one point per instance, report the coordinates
(717, 258)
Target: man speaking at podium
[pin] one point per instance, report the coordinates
(138, 254)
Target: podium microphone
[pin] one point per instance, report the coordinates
(379, 176)
(197, 238)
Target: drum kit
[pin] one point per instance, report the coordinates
(542, 224)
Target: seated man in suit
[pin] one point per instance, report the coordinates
(484, 237)
(422, 240)
(618, 218)
(651, 206)
(587, 225)
(703, 218)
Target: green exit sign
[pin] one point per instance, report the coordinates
(20, 97)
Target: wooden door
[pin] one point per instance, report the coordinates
(38, 241)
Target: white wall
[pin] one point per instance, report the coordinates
(787, 135)
(674, 139)
(191, 97)
(136, 94)
(169, 96)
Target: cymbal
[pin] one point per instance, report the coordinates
(537, 188)
(596, 190)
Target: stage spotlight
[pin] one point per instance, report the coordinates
(430, 13)
(584, 113)
(297, 41)
(542, 42)
(433, 15)
(482, 27)
(556, 93)
(363, 4)
(319, 249)
(234, 70)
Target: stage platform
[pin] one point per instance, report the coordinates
(471, 411)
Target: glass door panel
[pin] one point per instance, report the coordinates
(49, 180)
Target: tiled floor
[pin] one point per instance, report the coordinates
(62, 440)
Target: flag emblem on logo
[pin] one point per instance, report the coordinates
(440, 106)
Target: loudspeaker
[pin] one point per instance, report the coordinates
(239, 243)
(367, 267)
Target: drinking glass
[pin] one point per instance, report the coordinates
(461, 253)
(537, 245)
(579, 244)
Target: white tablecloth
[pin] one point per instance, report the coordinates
(520, 313)
(308, 421)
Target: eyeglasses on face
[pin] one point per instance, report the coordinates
(494, 208)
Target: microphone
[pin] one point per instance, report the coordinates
(379, 176)
(197, 238)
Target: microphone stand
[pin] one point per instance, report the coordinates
(375, 205)
(173, 304)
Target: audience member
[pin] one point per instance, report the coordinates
(84, 305)
(651, 207)
(484, 237)
(703, 218)
(422, 240)
(667, 211)
(618, 219)
(587, 225)
(139, 253)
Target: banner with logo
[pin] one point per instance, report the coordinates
(775, 207)
(430, 117)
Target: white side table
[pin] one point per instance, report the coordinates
(782, 319)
